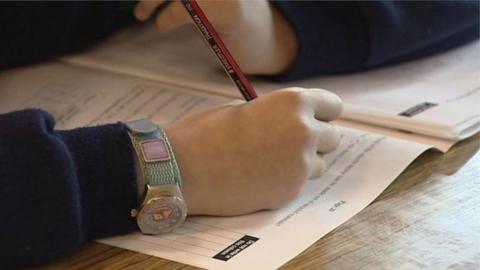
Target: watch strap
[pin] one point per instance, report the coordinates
(155, 154)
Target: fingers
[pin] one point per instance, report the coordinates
(145, 8)
(326, 105)
(327, 136)
(318, 167)
(328, 139)
(172, 17)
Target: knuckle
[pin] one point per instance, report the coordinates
(335, 133)
(302, 165)
(318, 168)
(303, 133)
(290, 96)
(334, 102)
(302, 130)
(338, 106)
(299, 172)
(331, 138)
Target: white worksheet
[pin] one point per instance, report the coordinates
(78, 96)
(357, 172)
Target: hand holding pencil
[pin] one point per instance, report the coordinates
(238, 159)
(257, 35)
(256, 155)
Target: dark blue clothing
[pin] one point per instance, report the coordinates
(59, 189)
(350, 36)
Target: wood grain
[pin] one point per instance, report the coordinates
(428, 218)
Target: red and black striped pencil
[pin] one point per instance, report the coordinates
(219, 49)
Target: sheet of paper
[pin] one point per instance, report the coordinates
(357, 172)
(77, 96)
(435, 96)
(443, 145)
(181, 59)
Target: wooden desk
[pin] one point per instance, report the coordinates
(425, 219)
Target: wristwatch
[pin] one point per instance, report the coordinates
(163, 208)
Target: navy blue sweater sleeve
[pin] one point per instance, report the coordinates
(40, 30)
(59, 189)
(350, 36)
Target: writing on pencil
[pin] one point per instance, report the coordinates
(216, 44)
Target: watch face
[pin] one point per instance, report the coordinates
(161, 215)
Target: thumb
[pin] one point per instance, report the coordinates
(145, 8)
(172, 17)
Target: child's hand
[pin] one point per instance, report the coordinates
(239, 159)
(257, 35)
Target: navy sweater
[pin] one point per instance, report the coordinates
(59, 189)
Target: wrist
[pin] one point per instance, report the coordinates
(192, 192)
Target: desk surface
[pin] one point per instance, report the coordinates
(429, 217)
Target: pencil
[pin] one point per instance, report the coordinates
(219, 49)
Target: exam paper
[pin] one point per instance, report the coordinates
(435, 96)
(357, 172)
(143, 52)
(78, 96)
(443, 145)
